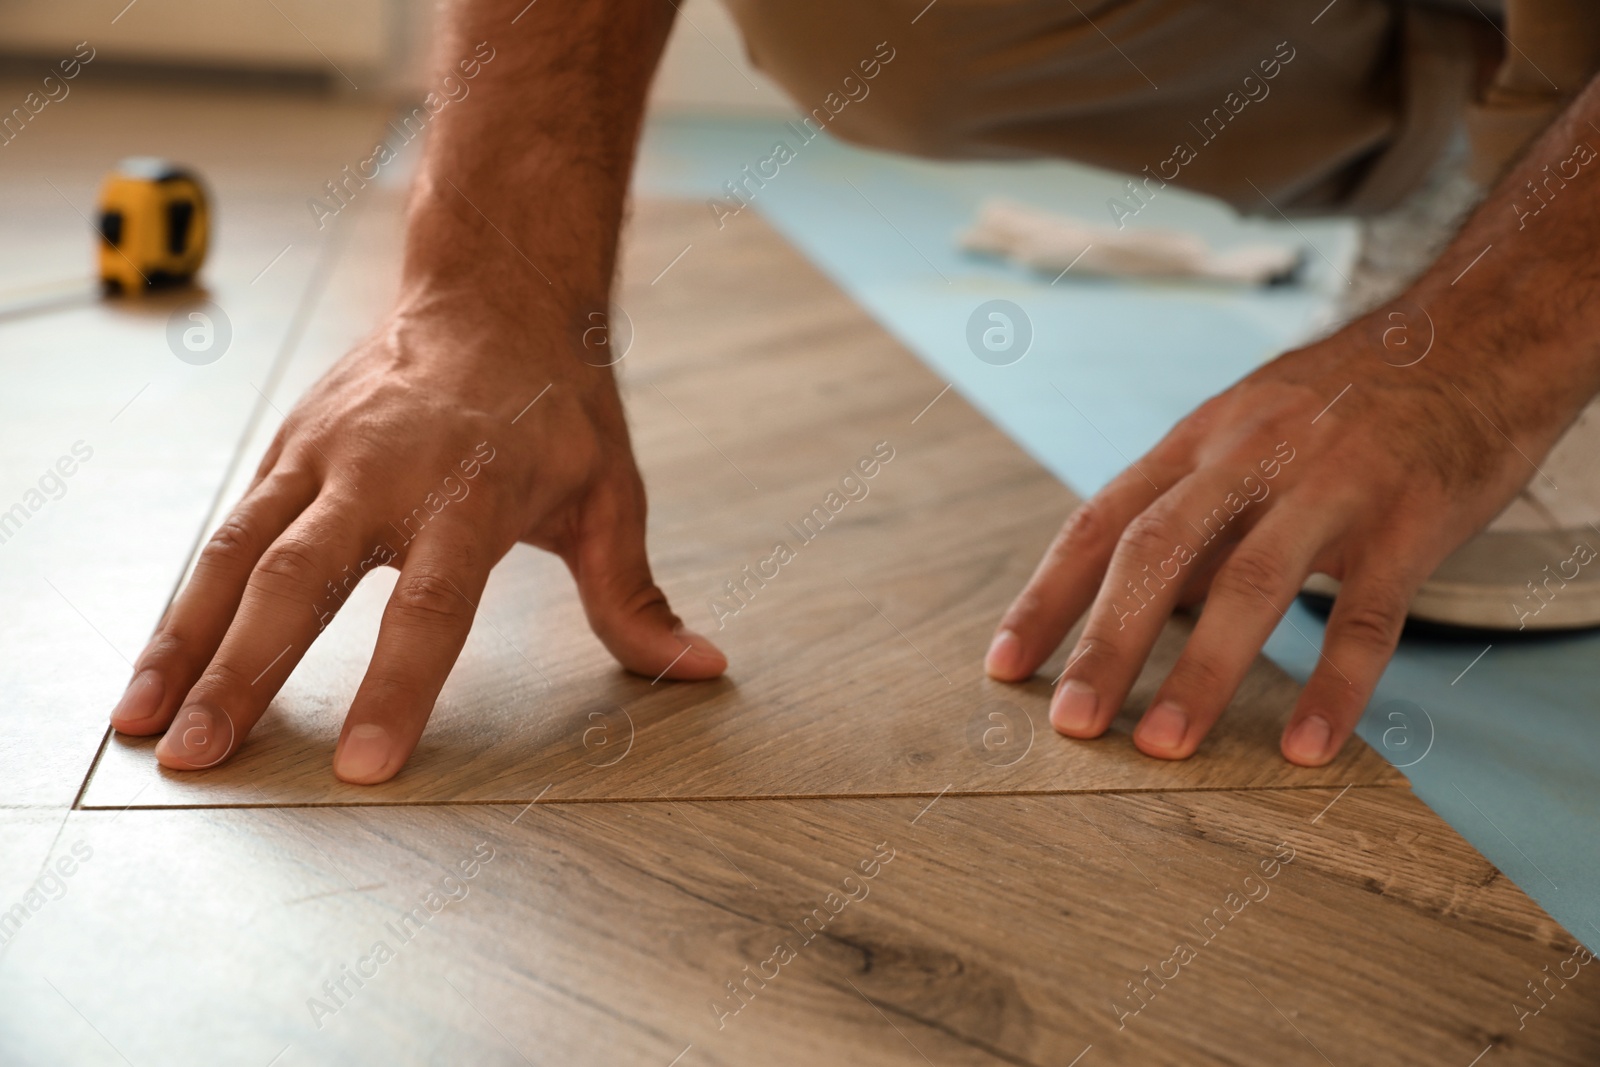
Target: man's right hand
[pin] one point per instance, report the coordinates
(419, 449)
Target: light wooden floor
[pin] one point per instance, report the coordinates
(814, 861)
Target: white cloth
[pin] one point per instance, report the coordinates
(1052, 243)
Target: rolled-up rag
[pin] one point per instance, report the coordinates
(1051, 244)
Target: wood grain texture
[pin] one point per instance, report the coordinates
(85, 577)
(753, 386)
(1002, 930)
(1007, 926)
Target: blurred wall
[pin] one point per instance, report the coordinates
(358, 45)
(358, 36)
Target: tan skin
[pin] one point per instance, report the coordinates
(1409, 463)
(497, 286)
(1381, 487)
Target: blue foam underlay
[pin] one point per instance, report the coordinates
(1506, 753)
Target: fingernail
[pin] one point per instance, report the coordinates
(364, 754)
(141, 700)
(1308, 741)
(1075, 706)
(1164, 726)
(1001, 661)
(199, 737)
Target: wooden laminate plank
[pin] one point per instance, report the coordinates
(1318, 928)
(753, 386)
(85, 572)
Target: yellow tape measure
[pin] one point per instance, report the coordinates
(154, 226)
(153, 223)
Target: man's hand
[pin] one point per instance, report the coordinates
(1261, 486)
(420, 450)
(1333, 459)
(406, 455)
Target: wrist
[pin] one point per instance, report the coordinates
(1498, 358)
(464, 343)
(478, 239)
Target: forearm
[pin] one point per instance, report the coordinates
(1515, 321)
(519, 198)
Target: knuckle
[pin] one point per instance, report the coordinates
(1149, 535)
(291, 561)
(1087, 526)
(292, 478)
(231, 544)
(647, 598)
(430, 597)
(222, 677)
(1096, 654)
(1200, 681)
(1252, 573)
(166, 646)
(1372, 623)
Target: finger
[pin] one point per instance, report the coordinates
(1140, 591)
(425, 624)
(193, 628)
(1248, 597)
(285, 605)
(1064, 583)
(625, 607)
(1363, 629)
